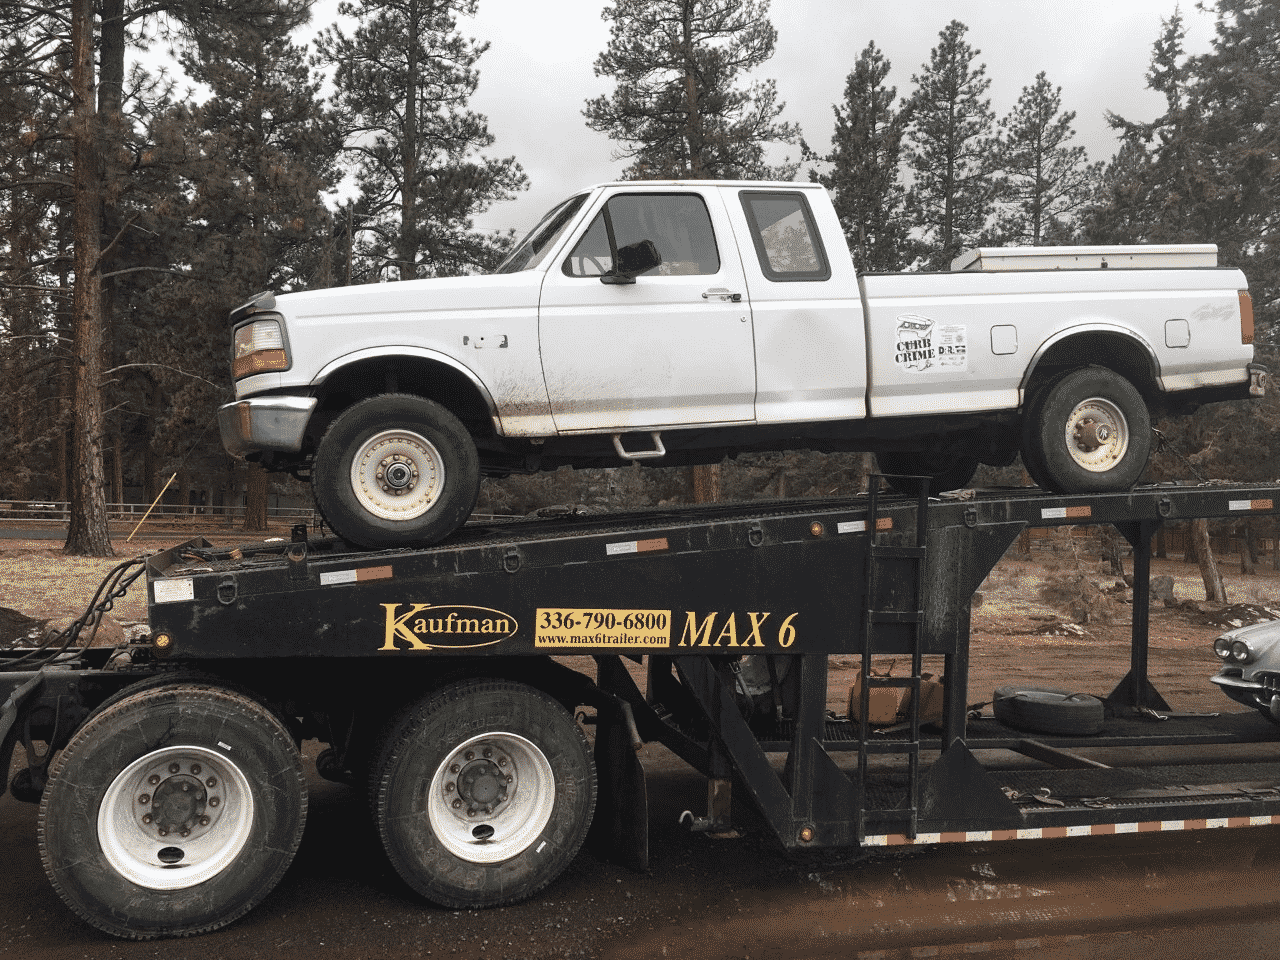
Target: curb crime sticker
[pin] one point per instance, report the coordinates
(922, 344)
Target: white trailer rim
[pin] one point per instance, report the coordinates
(175, 818)
(491, 797)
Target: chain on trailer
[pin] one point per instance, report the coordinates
(57, 651)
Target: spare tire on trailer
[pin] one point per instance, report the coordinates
(1049, 710)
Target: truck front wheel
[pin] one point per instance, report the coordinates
(484, 793)
(396, 470)
(172, 811)
(1090, 433)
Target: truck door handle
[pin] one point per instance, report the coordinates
(722, 294)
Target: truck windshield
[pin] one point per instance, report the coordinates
(530, 251)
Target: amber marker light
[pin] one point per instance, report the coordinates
(1246, 317)
(817, 529)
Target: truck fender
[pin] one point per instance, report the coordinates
(1093, 327)
(400, 351)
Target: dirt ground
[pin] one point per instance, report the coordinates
(339, 900)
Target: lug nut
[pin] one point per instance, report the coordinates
(174, 768)
(146, 818)
(487, 753)
(153, 779)
(164, 832)
(448, 788)
(457, 804)
(455, 768)
(470, 754)
(204, 821)
(213, 801)
(145, 798)
(211, 782)
(195, 769)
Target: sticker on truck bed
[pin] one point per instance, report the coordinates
(581, 627)
(921, 344)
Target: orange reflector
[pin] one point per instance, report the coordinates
(1246, 317)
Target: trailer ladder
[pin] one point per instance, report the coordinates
(885, 602)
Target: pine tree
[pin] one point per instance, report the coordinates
(403, 81)
(951, 149)
(261, 154)
(864, 166)
(1046, 180)
(680, 109)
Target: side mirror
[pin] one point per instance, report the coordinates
(633, 260)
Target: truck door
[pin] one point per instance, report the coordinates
(675, 346)
(807, 313)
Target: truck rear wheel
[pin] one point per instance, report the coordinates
(396, 470)
(945, 471)
(1090, 432)
(172, 812)
(484, 794)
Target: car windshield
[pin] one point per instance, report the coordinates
(530, 251)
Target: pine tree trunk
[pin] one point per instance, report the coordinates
(1214, 589)
(255, 500)
(87, 534)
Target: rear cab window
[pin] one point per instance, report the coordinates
(785, 236)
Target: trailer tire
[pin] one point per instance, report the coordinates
(396, 470)
(102, 844)
(1089, 433)
(1048, 710)
(945, 471)
(485, 793)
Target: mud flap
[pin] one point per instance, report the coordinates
(620, 830)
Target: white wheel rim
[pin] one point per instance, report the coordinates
(150, 804)
(397, 475)
(491, 798)
(1097, 435)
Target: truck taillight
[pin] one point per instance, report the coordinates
(1246, 317)
(258, 347)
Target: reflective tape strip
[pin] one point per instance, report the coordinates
(636, 546)
(1249, 504)
(1065, 513)
(332, 577)
(860, 526)
(1082, 830)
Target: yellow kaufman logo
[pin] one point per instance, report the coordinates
(424, 626)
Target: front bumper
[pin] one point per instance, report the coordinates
(265, 424)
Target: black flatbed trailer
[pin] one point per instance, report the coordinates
(438, 677)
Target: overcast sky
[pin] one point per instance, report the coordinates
(538, 72)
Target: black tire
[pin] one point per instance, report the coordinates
(1030, 449)
(1089, 433)
(945, 471)
(1048, 710)
(523, 832)
(396, 470)
(115, 869)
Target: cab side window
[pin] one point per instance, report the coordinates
(785, 236)
(678, 224)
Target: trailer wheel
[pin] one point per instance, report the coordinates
(485, 793)
(1090, 433)
(945, 471)
(396, 470)
(172, 812)
(1048, 710)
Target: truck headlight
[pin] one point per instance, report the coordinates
(258, 347)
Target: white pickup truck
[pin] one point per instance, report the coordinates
(680, 322)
